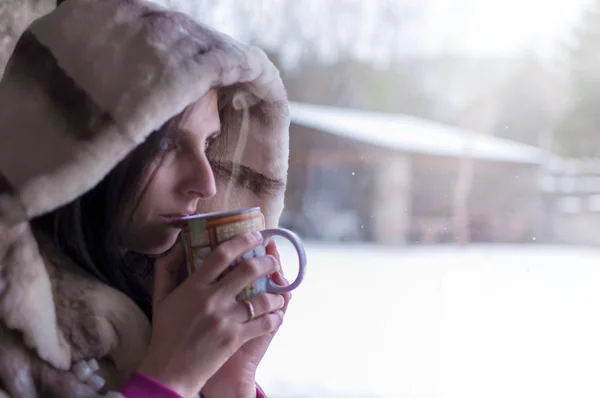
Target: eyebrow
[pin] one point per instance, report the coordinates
(249, 178)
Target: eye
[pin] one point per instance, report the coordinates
(209, 141)
(167, 144)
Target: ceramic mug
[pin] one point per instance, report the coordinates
(202, 233)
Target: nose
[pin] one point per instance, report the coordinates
(201, 181)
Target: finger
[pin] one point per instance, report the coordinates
(247, 272)
(261, 304)
(224, 255)
(280, 280)
(272, 250)
(166, 272)
(265, 325)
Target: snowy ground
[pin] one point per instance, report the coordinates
(435, 322)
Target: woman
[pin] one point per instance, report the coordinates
(117, 118)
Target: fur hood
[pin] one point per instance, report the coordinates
(85, 85)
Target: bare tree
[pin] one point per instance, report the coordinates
(322, 30)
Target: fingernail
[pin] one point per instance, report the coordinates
(274, 260)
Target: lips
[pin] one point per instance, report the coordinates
(173, 217)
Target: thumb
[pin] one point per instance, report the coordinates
(166, 273)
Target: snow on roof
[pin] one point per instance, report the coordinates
(411, 134)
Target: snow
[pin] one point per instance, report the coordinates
(411, 134)
(440, 322)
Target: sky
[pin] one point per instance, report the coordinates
(499, 27)
(466, 27)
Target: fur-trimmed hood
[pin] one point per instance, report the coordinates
(85, 85)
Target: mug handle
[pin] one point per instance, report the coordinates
(295, 240)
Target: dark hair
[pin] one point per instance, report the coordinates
(87, 229)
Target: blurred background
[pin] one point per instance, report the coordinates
(445, 175)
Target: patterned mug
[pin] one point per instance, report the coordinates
(202, 233)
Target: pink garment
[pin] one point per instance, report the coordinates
(142, 386)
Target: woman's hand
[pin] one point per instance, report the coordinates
(199, 325)
(236, 378)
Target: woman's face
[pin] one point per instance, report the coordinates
(179, 178)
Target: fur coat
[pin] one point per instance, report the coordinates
(85, 85)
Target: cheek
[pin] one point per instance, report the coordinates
(153, 195)
(164, 180)
(142, 210)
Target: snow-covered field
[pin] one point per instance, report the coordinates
(435, 322)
